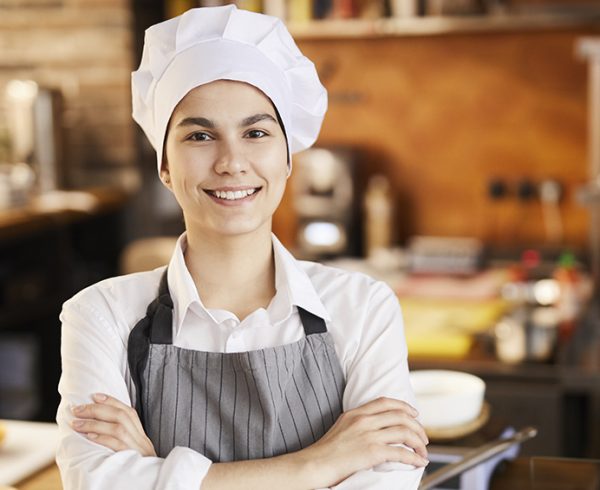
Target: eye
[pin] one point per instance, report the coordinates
(199, 136)
(256, 133)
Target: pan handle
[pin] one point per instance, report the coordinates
(475, 457)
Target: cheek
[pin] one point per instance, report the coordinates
(275, 162)
(278, 178)
(187, 163)
(279, 182)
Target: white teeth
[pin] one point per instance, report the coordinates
(233, 195)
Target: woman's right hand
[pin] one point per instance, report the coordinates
(365, 437)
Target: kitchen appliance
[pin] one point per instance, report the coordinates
(460, 256)
(35, 130)
(327, 201)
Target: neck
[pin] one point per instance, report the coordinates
(236, 273)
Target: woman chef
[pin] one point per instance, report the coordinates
(246, 368)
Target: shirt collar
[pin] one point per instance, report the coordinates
(181, 285)
(293, 285)
(293, 281)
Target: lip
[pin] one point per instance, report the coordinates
(233, 188)
(236, 202)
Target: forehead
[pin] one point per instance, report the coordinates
(224, 97)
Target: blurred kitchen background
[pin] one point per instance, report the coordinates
(459, 161)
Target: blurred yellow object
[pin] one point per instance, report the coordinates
(436, 345)
(445, 328)
(252, 5)
(2, 433)
(456, 315)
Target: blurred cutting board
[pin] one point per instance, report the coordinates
(27, 448)
(443, 314)
(436, 327)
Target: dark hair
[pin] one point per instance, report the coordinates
(287, 146)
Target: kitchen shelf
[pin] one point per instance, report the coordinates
(438, 25)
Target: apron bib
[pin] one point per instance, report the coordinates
(233, 406)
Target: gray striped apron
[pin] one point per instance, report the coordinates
(233, 406)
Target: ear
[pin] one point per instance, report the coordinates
(165, 177)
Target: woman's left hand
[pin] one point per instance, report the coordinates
(112, 424)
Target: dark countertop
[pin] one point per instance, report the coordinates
(59, 208)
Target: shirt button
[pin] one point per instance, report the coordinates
(229, 323)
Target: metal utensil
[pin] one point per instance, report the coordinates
(475, 457)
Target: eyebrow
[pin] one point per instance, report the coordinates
(207, 123)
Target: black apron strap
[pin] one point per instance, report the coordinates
(312, 323)
(157, 328)
(161, 331)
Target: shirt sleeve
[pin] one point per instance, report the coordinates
(94, 359)
(379, 367)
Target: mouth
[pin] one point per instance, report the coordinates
(232, 195)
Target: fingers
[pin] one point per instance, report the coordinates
(108, 441)
(367, 420)
(105, 429)
(394, 427)
(385, 404)
(403, 455)
(391, 422)
(404, 436)
(110, 410)
(399, 418)
(103, 399)
(117, 444)
(112, 420)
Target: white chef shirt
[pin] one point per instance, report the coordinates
(362, 315)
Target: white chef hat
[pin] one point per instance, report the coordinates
(225, 43)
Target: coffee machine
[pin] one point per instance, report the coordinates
(35, 130)
(327, 202)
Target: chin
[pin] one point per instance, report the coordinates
(245, 228)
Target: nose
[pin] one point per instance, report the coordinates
(230, 159)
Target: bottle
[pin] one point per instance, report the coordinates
(569, 302)
(404, 8)
(299, 11)
(378, 215)
(276, 8)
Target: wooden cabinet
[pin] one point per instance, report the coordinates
(523, 403)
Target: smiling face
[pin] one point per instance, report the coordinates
(226, 159)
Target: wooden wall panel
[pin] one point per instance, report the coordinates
(442, 115)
